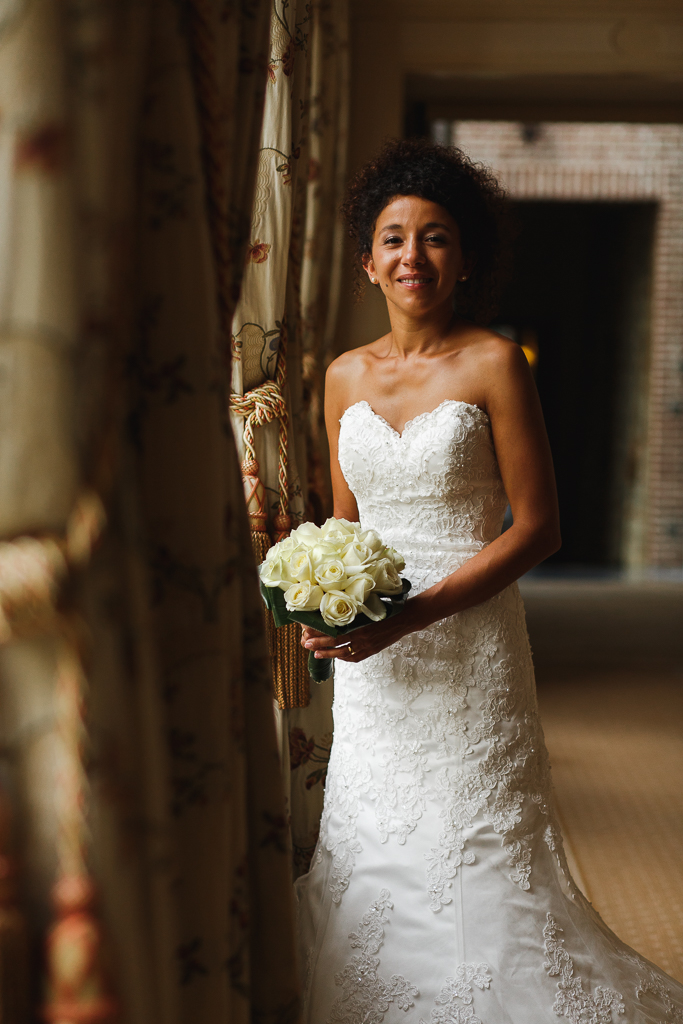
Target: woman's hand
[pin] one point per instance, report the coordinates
(355, 646)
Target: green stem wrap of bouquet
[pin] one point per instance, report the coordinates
(321, 668)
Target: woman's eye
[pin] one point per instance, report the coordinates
(436, 238)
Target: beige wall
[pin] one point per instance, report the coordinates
(628, 49)
(520, 37)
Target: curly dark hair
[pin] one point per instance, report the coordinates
(443, 175)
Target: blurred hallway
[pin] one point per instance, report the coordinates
(609, 659)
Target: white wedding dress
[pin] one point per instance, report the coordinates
(439, 891)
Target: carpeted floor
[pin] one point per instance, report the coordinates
(616, 747)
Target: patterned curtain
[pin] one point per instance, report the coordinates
(282, 331)
(137, 737)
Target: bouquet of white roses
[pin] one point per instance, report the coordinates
(334, 578)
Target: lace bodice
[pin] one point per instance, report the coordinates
(434, 492)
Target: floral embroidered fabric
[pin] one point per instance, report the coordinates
(438, 804)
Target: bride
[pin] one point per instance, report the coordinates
(439, 891)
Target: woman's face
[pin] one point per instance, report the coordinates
(416, 256)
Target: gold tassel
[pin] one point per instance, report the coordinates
(255, 497)
(14, 955)
(290, 659)
(78, 989)
(259, 406)
(292, 682)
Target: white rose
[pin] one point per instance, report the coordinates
(282, 549)
(360, 586)
(398, 560)
(339, 528)
(387, 579)
(301, 566)
(307, 534)
(338, 608)
(276, 572)
(326, 551)
(303, 597)
(331, 575)
(357, 556)
(372, 540)
(374, 608)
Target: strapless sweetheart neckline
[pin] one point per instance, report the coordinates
(415, 419)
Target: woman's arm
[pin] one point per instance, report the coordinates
(526, 468)
(336, 401)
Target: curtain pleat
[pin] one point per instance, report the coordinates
(287, 314)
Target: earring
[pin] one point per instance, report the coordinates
(464, 277)
(374, 280)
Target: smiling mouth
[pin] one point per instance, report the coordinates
(415, 281)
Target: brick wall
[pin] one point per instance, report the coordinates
(617, 162)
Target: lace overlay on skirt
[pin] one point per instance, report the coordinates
(439, 892)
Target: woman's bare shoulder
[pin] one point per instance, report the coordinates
(496, 366)
(353, 358)
(344, 364)
(494, 353)
(483, 343)
(348, 377)
(344, 372)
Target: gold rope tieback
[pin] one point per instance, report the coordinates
(259, 406)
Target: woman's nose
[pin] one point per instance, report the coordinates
(412, 252)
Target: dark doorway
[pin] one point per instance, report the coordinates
(579, 300)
